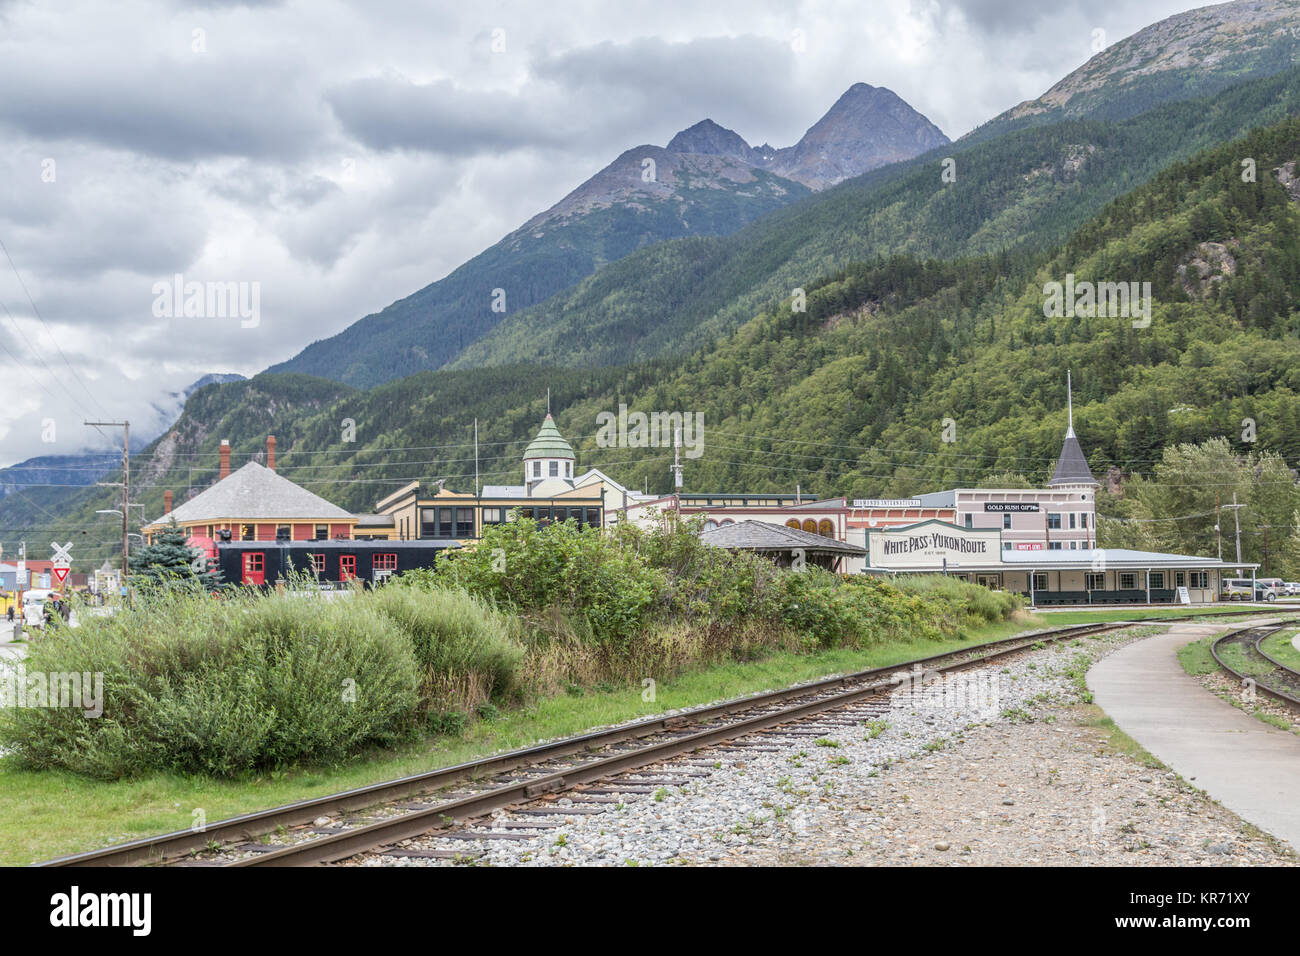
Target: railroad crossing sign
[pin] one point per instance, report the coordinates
(62, 561)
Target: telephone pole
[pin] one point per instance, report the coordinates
(1236, 517)
(126, 482)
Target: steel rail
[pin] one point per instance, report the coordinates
(177, 844)
(1259, 684)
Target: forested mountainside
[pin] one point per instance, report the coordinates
(852, 395)
(1028, 188)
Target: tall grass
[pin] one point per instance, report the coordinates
(462, 646)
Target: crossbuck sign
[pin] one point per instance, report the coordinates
(62, 560)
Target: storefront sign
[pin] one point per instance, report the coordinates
(886, 502)
(1029, 546)
(931, 544)
(1002, 507)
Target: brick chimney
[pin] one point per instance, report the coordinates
(167, 502)
(270, 452)
(225, 459)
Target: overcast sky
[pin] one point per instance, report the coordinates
(342, 155)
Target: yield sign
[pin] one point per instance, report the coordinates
(61, 574)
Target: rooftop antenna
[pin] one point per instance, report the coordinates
(1069, 405)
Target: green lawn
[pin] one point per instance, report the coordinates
(52, 813)
(1280, 648)
(1067, 618)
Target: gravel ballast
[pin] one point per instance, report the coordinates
(1002, 764)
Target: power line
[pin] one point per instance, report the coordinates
(37, 313)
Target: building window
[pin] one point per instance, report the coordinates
(554, 470)
(283, 532)
(491, 515)
(1180, 579)
(1073, 519)
(464, 522)
(593, 517)
(318, 563)
(1053, 546)
(793, 523)
(1006, 522)
(1054, 520)
(1128, 581)
(386, 562)
(810, 525)
(568, 469)
(322, 532)
(970, 521)
(1006, 545)
(1083, 520)
(347, 567)
(247, 532)
(1096, 582)
(537, 469)
(209, 531)
(1200, 579)
(826, 528)
(1040, 581)
(1158, 580)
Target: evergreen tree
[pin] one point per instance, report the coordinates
(169, 560)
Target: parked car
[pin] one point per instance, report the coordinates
(1239, 589)
(1291, 588)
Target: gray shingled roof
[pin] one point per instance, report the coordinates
(253, 492)
(752, 535)
(1072, 468)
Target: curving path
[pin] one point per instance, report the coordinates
(1249, 767)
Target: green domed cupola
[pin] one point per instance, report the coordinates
(547, 456)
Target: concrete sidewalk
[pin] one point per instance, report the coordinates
(1249, 767)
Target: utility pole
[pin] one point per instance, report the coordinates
(1236, 516)
(677, 459)
(126, 483)
(476, 458)
(21, 581)
(1218, 534)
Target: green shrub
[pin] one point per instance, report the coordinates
(462, 646)
(193, 684)
(583, 571)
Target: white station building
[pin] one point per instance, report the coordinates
(1042, 543)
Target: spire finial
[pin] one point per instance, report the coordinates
(548, 401)
(1069, 405)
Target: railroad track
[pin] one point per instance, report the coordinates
(338, 826)
(1267, 675)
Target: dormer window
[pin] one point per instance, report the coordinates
(555, 469)
(537, 469)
